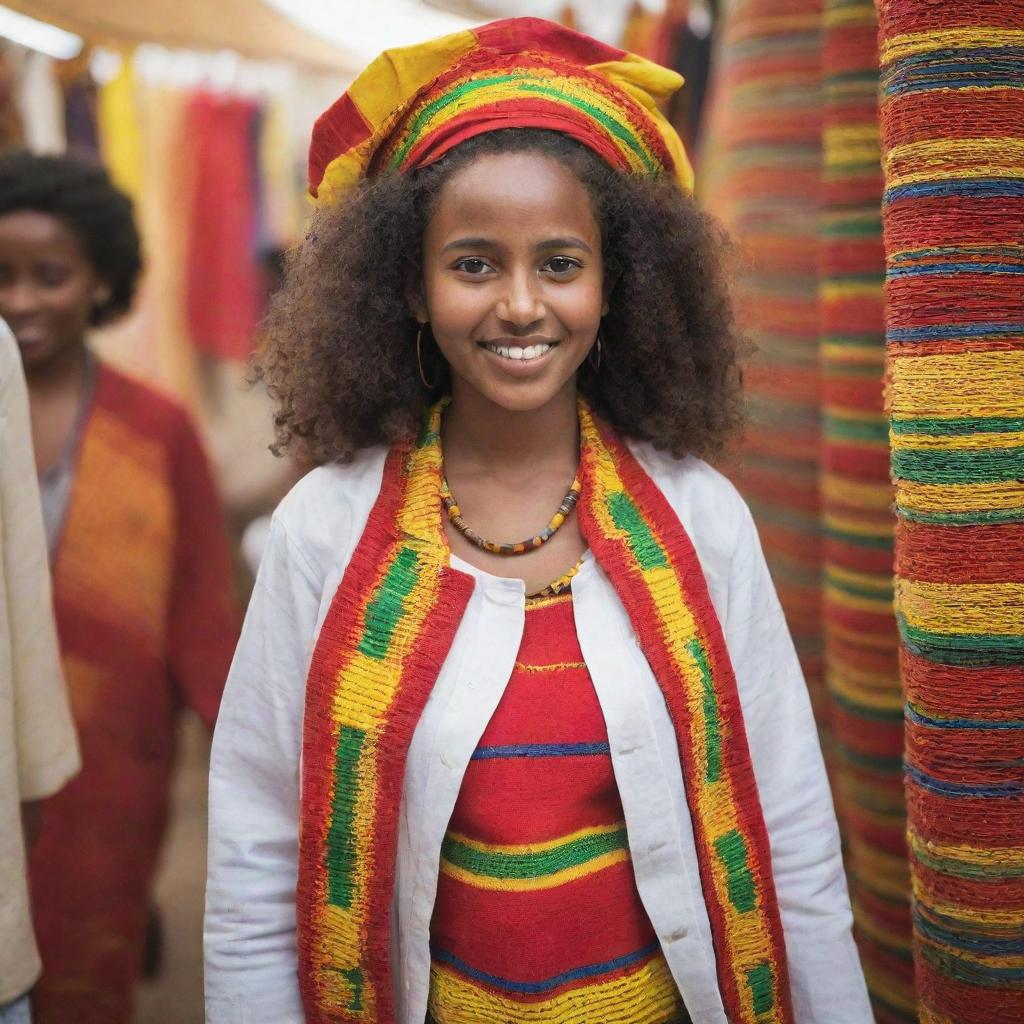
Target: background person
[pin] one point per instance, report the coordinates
(141, 577)
(38, 749)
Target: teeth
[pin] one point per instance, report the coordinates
(519, 353)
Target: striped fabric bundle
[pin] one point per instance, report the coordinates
(861, 667)
(760, 174)
(953, 144)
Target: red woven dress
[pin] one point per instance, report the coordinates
(538, 917)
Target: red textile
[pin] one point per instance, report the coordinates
(224, 286)
(147, 624)
(540, 788)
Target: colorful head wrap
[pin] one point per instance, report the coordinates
(412, 105)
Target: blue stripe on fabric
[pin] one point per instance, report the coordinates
(902, 87)
(963, 788)
(541, 750)
(957, 268)
(958, 940)
(957, 187)
(537, 987)
(952, 331)
(958, 723)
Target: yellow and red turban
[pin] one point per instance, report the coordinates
(412, 105)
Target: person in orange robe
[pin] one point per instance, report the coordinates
(141, 572)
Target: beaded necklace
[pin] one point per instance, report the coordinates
(531, 543)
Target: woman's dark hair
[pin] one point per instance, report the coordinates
(79, 193)
(340, 345)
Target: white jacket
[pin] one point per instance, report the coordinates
(254, 778)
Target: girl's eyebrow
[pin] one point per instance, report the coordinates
(568, 242)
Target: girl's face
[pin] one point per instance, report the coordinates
(513, 280)
(47, 286)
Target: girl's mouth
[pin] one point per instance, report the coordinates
(519, 353)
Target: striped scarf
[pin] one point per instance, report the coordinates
(382, 645)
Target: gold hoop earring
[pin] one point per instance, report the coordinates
(595, 364)
(419, 360)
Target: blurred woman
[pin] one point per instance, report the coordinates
(140, 569)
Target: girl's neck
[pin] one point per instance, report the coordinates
(481, 437)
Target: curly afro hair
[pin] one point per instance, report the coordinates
(79, 193)
(669, 371)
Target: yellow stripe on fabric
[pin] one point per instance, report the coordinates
(746, 936)
(963, 608)
(920, 385)
(850, 14)
(489, 94)
(645, 996)
(552, 881)
(849, 355)
(851, 143)
(997, 860)
(913, 43)
(832, 290)
(858, 526)
(840, 598)
(879, 697)
(549, 844)
(558, 666)
(958, 497)
(950, 442)
(843, 491)
(977, 917)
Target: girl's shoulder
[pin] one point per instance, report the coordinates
(325, 513)
(709, 506)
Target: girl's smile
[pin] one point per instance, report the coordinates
(513, 278)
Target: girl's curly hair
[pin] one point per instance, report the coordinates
(79, 192)
(339, 354)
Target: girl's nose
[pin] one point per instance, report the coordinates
(19, 297)
(520, 305)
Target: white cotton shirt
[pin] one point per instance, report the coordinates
(250, 936)
(38, 748)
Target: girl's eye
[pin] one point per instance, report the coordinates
(472, 265)
(562, 265)
(52, 275)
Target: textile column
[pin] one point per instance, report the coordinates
(861, 664)
(953, 154)
(759, 172)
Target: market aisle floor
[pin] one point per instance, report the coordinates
(176, 997)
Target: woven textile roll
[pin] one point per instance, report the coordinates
(759, 173)
(861, 665)
(953, 154)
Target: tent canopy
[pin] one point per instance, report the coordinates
(249, 26)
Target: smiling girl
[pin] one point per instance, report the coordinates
(515, 731)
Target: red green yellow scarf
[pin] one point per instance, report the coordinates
(382, 645)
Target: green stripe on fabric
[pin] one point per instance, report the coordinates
(882, 590)
(988, 517)
(998, 869)
(341, 834)
(985, 465)
(709, 705)
(494, 864)
(626, 516)
(858, 430)
(761, 982)
(354, 977)
(386, 609)
(616, 128)
(861, 540)
(871, 711)
(732, 852)
(958, 427)
(962, 649)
